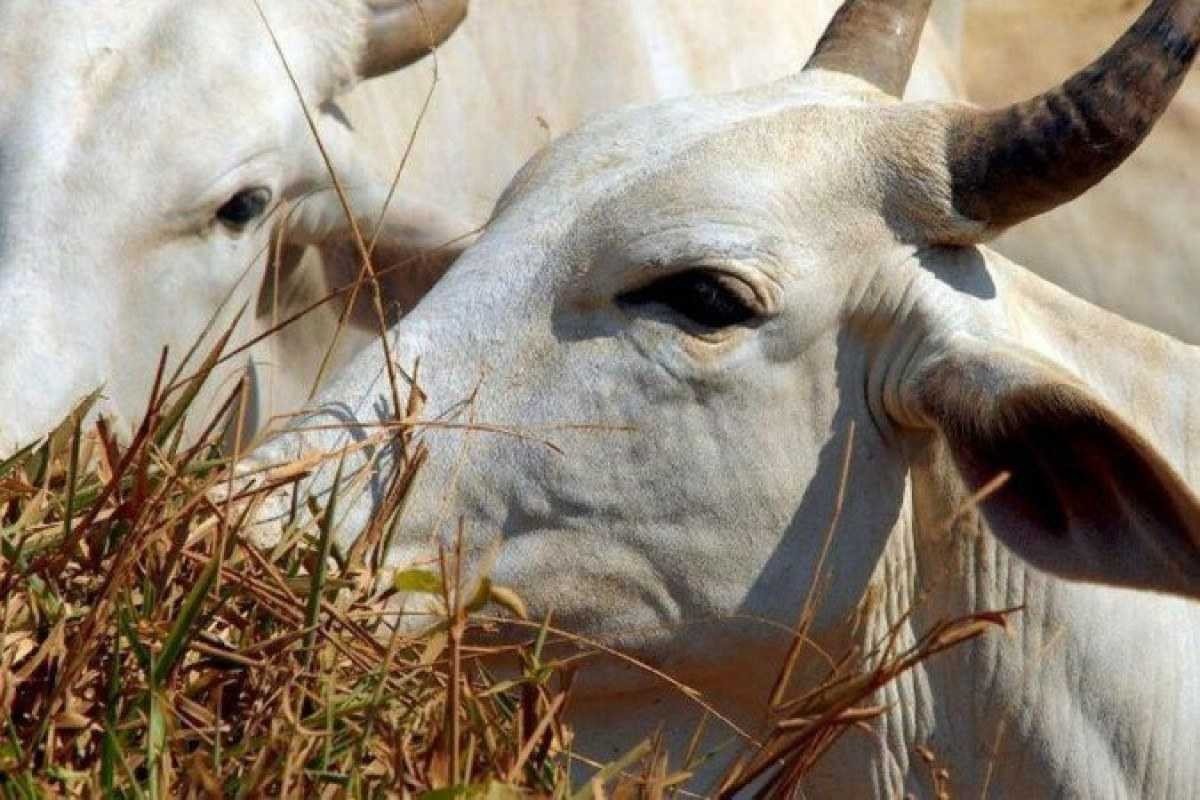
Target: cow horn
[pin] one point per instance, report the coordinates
(1012, 164)
(875, 40)
(400, 32)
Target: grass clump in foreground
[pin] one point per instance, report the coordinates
(150, 651)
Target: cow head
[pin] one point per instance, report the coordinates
(696, 302)
(146, 150)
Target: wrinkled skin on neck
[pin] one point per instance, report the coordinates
(1061, 701)
(682, 512)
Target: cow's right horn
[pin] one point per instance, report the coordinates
(1012, 164)
(875, 40)
(400, 32)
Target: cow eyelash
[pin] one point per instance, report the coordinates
(705, 297)
(244, 207)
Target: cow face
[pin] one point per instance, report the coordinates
(665, 296)
(146, 151)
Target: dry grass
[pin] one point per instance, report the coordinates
(150, 651)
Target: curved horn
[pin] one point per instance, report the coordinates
(400, 32)
(1015, 163)
(875, 40)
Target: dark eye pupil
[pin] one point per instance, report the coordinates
(244, 207)
(698, 295)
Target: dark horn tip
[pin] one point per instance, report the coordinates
(1010, 165)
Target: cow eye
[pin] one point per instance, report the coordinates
(244, 207)
(703, 296)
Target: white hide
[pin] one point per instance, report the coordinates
(690, 516)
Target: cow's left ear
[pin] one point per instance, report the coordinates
(414, 242)
(1088, 496)
(397, 222)
(400, 32)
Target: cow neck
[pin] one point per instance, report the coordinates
(1019, 713)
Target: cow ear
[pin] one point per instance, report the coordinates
(411, 243)
(400, 32)
(398, 221)
(1088, 497)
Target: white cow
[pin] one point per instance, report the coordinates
(145, 149)
(745, 277)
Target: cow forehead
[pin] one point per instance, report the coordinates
(679, 165)
(620, 148)
(70, 56)
(97, 89)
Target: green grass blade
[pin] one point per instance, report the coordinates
(72, 479)
(53, 444)
(156, 740)
(175, 415)
(612, 770)
(17, 459)
(183, 629)
(111, 752)
(317, 583)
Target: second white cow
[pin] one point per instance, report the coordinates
(146, 150)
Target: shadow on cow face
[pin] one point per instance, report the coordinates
(149, 149)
